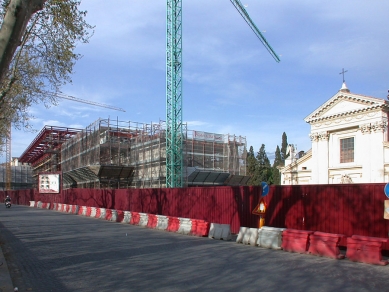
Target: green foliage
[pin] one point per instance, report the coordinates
(43, 62)
(277, 162)
(259, 167)
(252, 166)
(264, 168)
(284, 146)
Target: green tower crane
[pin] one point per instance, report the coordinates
(174, 133)
(174, 125)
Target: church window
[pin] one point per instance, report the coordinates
(347, 150)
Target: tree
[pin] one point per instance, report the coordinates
(284, 146)
(264, 168)
(37, 54)
(277, 162)
(252, 167)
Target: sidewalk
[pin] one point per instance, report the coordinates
(5, 278)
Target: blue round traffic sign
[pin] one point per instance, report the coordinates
(265, 188)
(386, 190)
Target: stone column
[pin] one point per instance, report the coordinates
(319, 157)
(377, 152)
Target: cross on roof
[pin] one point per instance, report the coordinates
(343, 73)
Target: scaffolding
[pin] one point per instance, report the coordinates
(21, 177)
(115, 154)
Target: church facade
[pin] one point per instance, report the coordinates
(349, 135)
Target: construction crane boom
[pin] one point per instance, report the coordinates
(69, 97)
(174, 125)
(239, 6)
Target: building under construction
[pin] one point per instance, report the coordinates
(20, 176)
(115, 154)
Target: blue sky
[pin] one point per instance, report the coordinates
(231, 84)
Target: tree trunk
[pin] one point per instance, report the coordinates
(18, 14)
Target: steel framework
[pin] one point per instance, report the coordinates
(174, 132)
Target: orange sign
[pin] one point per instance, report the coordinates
(260, 209)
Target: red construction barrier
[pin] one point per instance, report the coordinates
(120, 215)
(80, 210)
(135, 218)
(98, 213)
(199, 227)
(294, 240)
(366, 249)
(325, 244)
(173, 225)
(88, 211)
(108, 214)
(153, 220)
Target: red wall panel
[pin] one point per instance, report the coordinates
(353, 209)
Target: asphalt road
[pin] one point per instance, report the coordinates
(53, 251)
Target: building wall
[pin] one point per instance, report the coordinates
(345, 116)
(368, 164)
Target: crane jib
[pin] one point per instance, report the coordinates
(239, 6)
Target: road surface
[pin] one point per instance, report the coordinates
(52, 251)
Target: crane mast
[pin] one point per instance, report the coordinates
(174, 129)
(174, 125)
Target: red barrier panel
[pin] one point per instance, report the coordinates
(294, 240)
(98, 213)
(88, 211)
(80, 210)
(120, 216)
(366, 249)
(135, 217)
(203, 228)
(152, 221)
(194, 231)
(108, 214)
(173, 224)
(325, 244)
(199, 227)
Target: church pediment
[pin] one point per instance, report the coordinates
(345, 104)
